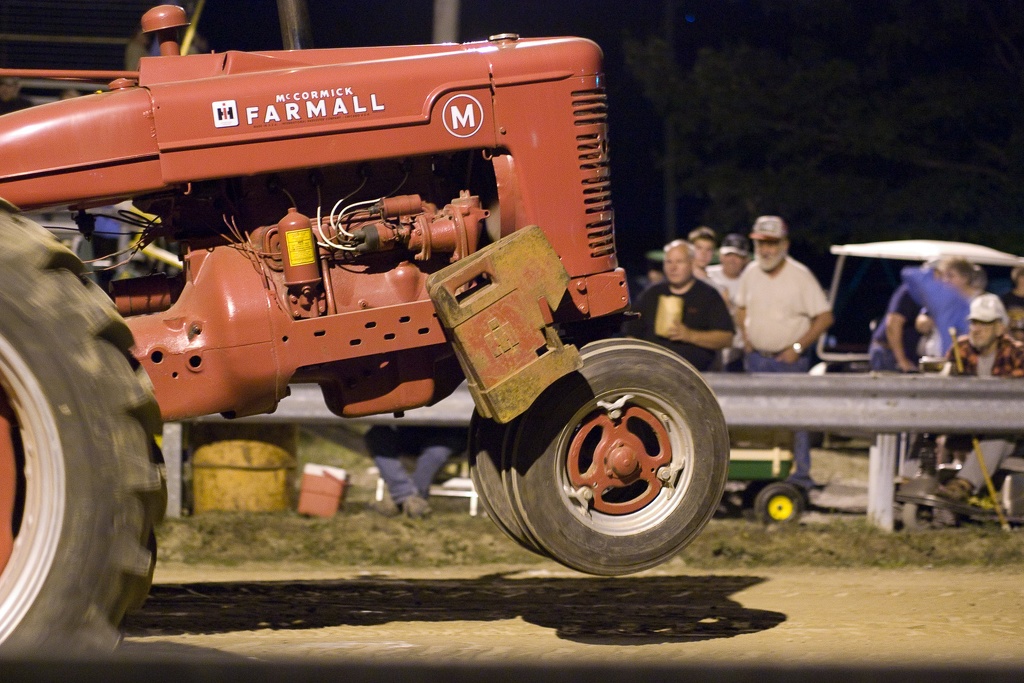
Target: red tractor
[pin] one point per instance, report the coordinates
(383, 222)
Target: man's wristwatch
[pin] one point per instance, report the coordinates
(798, 347)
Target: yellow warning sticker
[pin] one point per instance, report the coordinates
(301, 250)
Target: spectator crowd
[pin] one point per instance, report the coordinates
(770, 311)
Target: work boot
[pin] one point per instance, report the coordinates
(385, 507)
(957, 490)
(415, 507)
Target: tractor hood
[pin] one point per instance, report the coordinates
(202, 117)
(92, 147)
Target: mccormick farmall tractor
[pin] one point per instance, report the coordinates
(382, 222)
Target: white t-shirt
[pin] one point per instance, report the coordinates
(779, 309)
(729, 285)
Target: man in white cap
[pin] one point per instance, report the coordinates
(985, 351)
(734, 255)
(781, 311)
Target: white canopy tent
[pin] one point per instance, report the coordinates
(927, 250)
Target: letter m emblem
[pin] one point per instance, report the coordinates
(463, 115)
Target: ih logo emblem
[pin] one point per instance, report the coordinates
(463, 116)
(225, 114)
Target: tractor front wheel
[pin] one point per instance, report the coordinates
(617, 467)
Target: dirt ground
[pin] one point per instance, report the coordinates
(674, 615)
(547, 614)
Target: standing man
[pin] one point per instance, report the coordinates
(945, 291)
(734, 255)
(781, 311)
(682, 313)
(704, 241)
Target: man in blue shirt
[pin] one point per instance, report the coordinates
(894, 342)
(945, 292)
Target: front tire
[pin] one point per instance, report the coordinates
(617, 467)
(79, 494)
(488, 443)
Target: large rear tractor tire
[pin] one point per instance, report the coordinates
(79, 491)
(617, 467)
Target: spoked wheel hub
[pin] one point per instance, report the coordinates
(618, 461)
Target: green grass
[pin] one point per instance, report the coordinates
(351, 538)
(850, 543)
(356, 537)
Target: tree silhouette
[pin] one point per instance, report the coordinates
(856, 121)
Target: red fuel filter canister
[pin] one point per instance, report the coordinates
(298, 249)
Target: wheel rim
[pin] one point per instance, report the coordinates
(780, 508)
(617, 376)
(627, 461)
(32, 434)
(8, 482)
(617, 455)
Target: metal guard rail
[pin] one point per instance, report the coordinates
(882, 405)
(871, 403)
(865, 403)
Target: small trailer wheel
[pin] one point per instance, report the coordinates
(779, 503)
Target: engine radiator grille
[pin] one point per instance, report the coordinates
(590, 112)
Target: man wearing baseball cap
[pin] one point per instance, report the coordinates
(734, 255)
(781, 311)
(985, 351)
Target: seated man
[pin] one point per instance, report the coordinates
(985, 351)
(431, 446)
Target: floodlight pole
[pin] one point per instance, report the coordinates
(669, 138)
